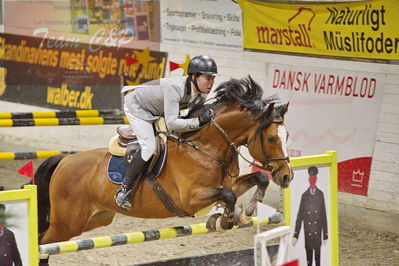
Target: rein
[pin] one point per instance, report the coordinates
(232, 146)
(235, 150)
(191, 144)
(253, 163)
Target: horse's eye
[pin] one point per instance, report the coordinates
(271, 139)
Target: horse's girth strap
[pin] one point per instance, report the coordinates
(165, 198)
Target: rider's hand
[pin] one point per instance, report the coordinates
(206, 117)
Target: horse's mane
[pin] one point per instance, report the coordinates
(245, 92)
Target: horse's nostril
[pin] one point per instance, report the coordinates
(286, 179)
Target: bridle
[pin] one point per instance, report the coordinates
(267, 165)
(236, 151)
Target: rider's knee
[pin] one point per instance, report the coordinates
(147, 151)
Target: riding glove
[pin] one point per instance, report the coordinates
(206, 117)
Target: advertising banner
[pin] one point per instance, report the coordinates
(120, 23)
(211, 23)
(332, 109)
(71, 75)
(366, 29)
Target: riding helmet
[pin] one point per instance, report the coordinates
(202, 64)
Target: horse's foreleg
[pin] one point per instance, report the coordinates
(226, 220)
(243, 183)
(208, 196)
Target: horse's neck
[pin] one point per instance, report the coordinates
(235, 124)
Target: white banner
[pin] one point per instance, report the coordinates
(210, 23)
(331, 109)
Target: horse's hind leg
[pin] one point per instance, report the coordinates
(66, 222)
(63, 226)
(243, 183)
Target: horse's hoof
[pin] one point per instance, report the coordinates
(219, 227)
(223, 223)
(276, 218)
(250, 209)
(211, 223)
(244, 219)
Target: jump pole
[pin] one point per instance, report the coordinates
(31, 155)
(143, 236)
(72, 121)
(60, 114)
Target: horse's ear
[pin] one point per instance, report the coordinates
(269, 110)
(285, 109)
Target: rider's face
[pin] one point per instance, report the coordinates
(205, 83)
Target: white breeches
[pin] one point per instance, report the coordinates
(145, 135)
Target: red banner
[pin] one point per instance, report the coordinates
(353, 175)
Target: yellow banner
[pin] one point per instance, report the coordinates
(368, 29)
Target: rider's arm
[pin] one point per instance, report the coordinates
(172, 95)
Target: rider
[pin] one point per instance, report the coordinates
(166, 96)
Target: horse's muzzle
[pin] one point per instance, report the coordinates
(285, 181)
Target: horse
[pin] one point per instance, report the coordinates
(201, 168)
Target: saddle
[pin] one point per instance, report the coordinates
(127, 139)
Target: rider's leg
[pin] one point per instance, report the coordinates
(135, 164)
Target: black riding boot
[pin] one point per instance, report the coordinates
(132, 178)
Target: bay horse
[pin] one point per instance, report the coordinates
(75, 195)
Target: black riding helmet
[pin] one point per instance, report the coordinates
(202, 64)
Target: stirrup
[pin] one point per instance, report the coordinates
(123, 201)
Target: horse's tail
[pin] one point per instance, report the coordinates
(42, 179)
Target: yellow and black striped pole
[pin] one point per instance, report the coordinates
(31, 155)
(72, 121)
(144, 236)
(60, 114)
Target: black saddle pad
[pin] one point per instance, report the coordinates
(116, 169)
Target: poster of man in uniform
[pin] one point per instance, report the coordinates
(14, 249)
(9, 253)
(310, 215)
